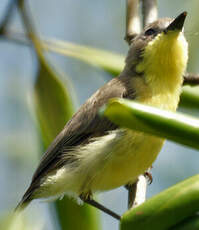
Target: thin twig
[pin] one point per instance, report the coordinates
(149, 11)
(30, 29)
(132, 20)
(191, 79)
(15, 37)
(7, 16)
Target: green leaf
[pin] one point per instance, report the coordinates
(191, 223)
(54, 108)
(110, 62)
(190, 98)
(18, 221)
(53, 102)
(165, 209)
(77, 217)
(174, 126)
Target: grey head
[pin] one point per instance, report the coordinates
(139, 42)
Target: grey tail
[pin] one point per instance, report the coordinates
(26, 199)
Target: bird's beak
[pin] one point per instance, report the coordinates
(177, 24)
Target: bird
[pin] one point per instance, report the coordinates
(92, 154)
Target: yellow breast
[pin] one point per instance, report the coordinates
(122, 155)
(163, 65)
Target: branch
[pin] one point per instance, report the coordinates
(150, 14)
(30, 29)
(16, 37)
(191, 79)
(132, 20)
(137, 193)
(149, 11)
(7, 16)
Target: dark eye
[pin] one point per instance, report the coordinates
(150, 32)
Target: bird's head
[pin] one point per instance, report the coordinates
(160, 50)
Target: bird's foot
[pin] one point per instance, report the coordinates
(149, 177)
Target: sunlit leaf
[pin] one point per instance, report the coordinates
(190, 223)
(18, 222)
(165, 209)
(53, 102)
(190, 98)
(110, 62)
(54, 108)
(174, 126)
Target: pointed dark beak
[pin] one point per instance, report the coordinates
(177, 24)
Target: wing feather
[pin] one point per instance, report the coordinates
(84, 124)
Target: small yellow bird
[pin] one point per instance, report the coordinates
(93, 154)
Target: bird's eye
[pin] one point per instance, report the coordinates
(150, 32)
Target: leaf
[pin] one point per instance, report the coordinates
(53, 102)
(174, 126)
(165, 209)
(77, 217)
(108, 61)
(54, 108)
(190, 98)
(18, 221)
(191, 223)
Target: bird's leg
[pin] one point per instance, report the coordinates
(87, 198)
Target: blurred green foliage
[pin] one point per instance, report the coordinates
(54, 106)
(176, 127)
(165, 209)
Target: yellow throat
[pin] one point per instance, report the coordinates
(164, 63)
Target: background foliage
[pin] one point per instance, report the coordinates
(100, 24)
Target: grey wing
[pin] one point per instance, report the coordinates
(84, 124)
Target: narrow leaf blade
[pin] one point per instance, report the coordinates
(165, 209)
(190, 223)
(53, 103)
(174, 126)
(189, 99)
(54, 108)
(110, 62)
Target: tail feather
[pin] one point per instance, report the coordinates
(26, 199)
(28, 196)
(22, 204)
